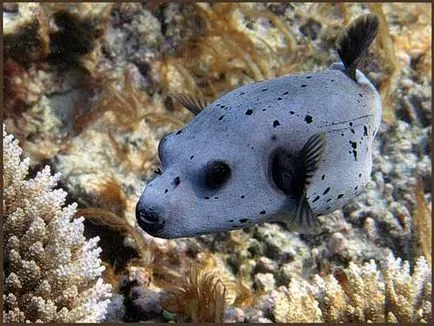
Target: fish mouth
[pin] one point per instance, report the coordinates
(149, 221)
(152, 228)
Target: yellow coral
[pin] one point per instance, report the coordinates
(362, 294)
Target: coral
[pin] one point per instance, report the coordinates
(47, 260)
(360, 294)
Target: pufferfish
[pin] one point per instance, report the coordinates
(287, 149)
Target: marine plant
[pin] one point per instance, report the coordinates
(52, 273)
(200, 297)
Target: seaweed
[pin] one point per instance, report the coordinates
(386, 55)
(200, 298)
(422, 223)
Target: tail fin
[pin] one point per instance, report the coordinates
(355, 40)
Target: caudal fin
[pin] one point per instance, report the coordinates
(355, 40)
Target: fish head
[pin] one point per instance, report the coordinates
(208, 184)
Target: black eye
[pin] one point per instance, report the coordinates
(216, 174)
(161, 148)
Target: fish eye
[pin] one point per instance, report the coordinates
(161, 148)
(217, 173)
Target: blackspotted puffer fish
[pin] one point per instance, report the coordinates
(286, 149)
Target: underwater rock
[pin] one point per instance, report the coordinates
(264, 281)
(142, 304)
(115, 309)
(234, 315)
(266, 265)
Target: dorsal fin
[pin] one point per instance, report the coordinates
(191, 103)
(355, 40)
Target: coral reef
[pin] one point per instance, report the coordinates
(360, 294)
(52, 273)
(93, 100)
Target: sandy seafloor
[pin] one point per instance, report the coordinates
(87, 90)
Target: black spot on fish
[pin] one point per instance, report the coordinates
(355, 188)
(262, 212)
(328, 200)
(252, 147)
(274, 137)
(242, 196)
(308, 118)
(265, 89)
(322, 177)
(326, 191)
(365, 131)
(304, 85)
(216, 198)
(373, 132)
(352, 130)
(279, 98)
(218, 104)
(342, 135)
(264, 110)
(360, 175)
(358, 101)
(276, 123)
(308, 77)
(351, 124)
(223, 106)
(221, 118)
(355, 155)
(176, 181)
(328, 207)
(179, 132)
(206, 197)
(340, 196)
(291, 112)
(249, 112)
(165, 191)
(316, 198)
(242, 93)
(332, 80)
(231, 221)
(191, 157)
(286, 93)
(353, 144)
(360, 94)
(244, 220)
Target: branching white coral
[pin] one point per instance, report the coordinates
(52, 273)
(362, 294)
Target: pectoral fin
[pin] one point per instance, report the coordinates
(294, 175)
(191, 103)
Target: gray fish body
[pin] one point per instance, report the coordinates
(244, 128)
